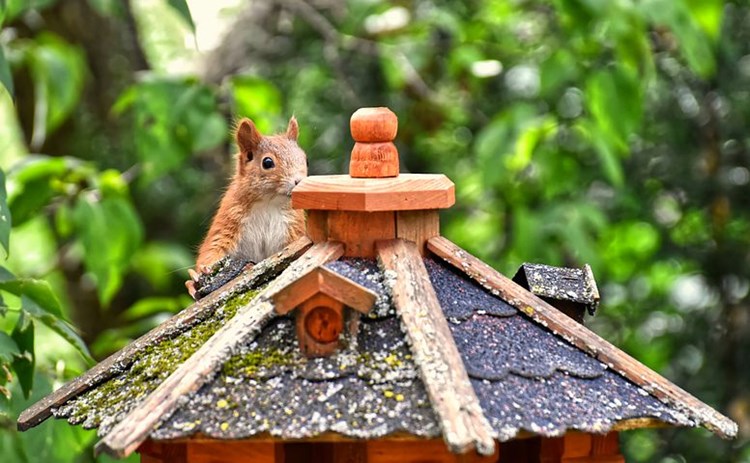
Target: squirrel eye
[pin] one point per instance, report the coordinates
(268, 163)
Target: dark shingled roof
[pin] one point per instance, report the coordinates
(526, 377)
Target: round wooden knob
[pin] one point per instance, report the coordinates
(373, 125)
(324, 324)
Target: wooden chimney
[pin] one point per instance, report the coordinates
(374, 202)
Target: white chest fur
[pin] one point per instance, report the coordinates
(265, 230)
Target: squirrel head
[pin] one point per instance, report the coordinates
(270, 166)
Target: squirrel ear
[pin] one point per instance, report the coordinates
(248, 137)
(292, 130)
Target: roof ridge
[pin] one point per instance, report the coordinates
(443, 373)
(583, 338)
(132, 430)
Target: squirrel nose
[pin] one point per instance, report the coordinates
(297, 180)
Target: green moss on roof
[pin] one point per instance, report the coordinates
(108, 402)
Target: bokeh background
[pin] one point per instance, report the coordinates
(612, 132)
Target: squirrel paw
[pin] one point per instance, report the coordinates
(194, 278)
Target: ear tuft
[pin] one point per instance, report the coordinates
(292, 130)
(248, 137)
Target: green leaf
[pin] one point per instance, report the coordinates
(23, 364)
(38, 291)
(32, 310)
(159, 261)
(110, 231)
(686, 25)
(257, 99)
(154, 305)
(58, 71)
(6, 78)
(5, 216)
(174, 118)
(181, 7)
(38, 179)
(8, 348)
(614, 98)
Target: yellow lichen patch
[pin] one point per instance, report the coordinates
(224, 426)
(399, 397)
(221, 403)
(388, 393)
(392, 360)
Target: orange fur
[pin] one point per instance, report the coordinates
(255, 218)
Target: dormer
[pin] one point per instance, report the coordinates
(321, 301)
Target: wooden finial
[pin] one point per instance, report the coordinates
(374, 154)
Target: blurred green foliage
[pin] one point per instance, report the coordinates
(576, 131)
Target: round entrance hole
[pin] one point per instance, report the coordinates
(323, 324)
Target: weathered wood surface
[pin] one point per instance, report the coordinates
(344, 193)
(418, 226)
(196, 312)
(328, 282)
(317, 225)
(442, 370)
(582, 337)
(359, 230)
(201, 366)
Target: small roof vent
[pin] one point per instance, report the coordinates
(571, 290)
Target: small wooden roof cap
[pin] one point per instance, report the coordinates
(374, 155)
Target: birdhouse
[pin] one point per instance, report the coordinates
(375, 339)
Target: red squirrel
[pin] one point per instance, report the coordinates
(255, 218)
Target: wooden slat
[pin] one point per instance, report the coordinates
(417, 226)
(442, 370)
(420, 451)
(328, 282)
(346, 291)
(233, 451)
(179, 322)
(350, 452)
(360, 230)
(201, 366)
(317, 225)
(344, 193)
(582, 337)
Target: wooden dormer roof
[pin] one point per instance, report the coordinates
(321, 280)
(452, 348)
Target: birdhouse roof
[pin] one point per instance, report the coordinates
(529, 375)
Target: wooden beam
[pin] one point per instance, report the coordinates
(326, 281)
(128, 434)
(344, 193)
(418, 226)
(435, 353)
(581, 337)
(360, 230)
(317, 225)
(234, 451)
(194, 313)
(346, 291)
